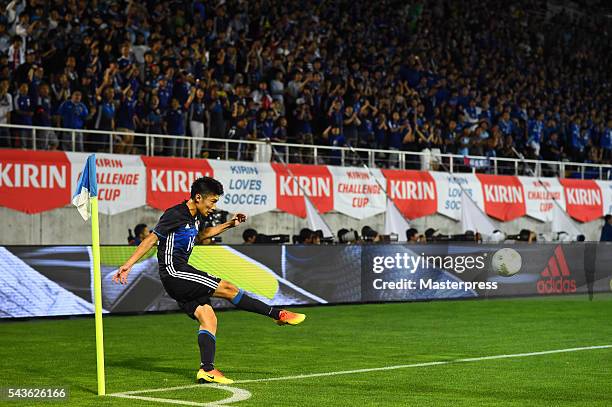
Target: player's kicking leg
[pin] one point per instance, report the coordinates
(207, 341)
(243, 301)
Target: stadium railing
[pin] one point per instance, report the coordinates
(250, 150)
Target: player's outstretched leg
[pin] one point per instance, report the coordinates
(207, 342)
(242, 300)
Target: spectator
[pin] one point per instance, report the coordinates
(105, 119)
(197, 114)
(46, 139)
(549, 76)
(175, 126)
(6, 107)
(22, 115)
(126, 121)
(73, 114)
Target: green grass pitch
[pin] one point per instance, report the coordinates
(158, 351)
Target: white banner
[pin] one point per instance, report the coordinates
(606, 191)
(539, 194)
(450, 187)
(122, 183)
(250, 188)
(356, 192)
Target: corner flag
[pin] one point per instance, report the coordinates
(86, 188)
(86, 201)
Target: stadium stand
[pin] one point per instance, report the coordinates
(464, 77)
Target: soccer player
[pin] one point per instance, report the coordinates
(176, 232)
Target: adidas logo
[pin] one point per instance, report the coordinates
(187, 226)
(555, 276)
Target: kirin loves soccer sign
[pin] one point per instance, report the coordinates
(34, 182)
(296, 180)
(503, 196)
(169, 179)
(413, 192)
(250, 188)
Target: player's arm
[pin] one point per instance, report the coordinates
(207, 233)
(144, 246)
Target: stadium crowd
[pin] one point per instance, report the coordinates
(466, 77)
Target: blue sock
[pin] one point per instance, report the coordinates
(207, 342)
(243, 301)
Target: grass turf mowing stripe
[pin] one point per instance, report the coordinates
(377, 369)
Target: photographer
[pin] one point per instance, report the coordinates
(346, 236)
(249, 236)
(413, 236)
(369, 235)
(141, 231)
(308, 236)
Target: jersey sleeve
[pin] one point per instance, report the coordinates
(167, 223)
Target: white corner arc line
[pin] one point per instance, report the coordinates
(374, 369)
(238, 394)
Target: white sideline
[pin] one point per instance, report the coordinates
(129, 394)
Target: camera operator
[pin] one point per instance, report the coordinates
(525, 235)
(140, 231)
(308, 236)
(413, 236)
(369, 235)
(348, 236)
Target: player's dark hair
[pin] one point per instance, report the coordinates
(138, 229)
(206, 186)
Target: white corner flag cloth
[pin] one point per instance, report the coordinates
(86, 188)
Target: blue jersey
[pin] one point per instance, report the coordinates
(176, 230)
(23, 103)
(535, 130)
(175, 122)
(73, 114)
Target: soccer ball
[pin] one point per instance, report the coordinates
(506, 262)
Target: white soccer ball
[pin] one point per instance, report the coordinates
(506, 262)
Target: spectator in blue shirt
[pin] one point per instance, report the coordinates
(22, 114)
(336, 139)
(46, 139)
(506, 125)
(175, 126)
(154, 124)
(535, 131)
(73, 113)
(576, 139)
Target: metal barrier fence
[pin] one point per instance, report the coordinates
(37, 138)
